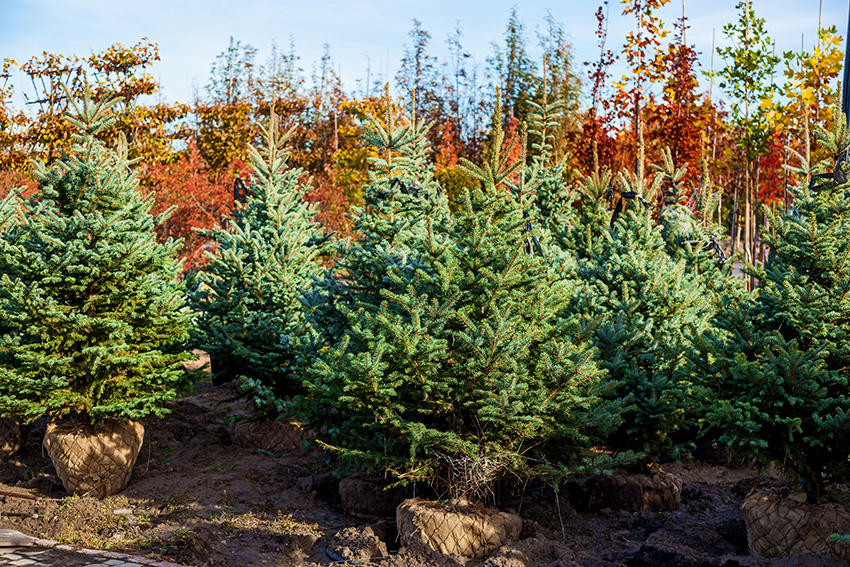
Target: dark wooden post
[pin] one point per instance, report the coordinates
(845, 91)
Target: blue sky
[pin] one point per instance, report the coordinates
(190, 33)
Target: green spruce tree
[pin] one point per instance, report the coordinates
(777, 370)
(451, 364)
(644, 282)
(387, 223)
(250, 316)
(88, 299)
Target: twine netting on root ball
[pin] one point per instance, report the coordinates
(778, 527)
(276, 437)
(94, 460)
(657, 492)
(456, 528)
(10, 437)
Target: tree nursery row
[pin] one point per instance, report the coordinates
(519, 321)
(533, 333)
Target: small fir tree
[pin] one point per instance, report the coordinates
(88, 298)
(777, 378)
(394, 206)
(646, 295)
(451, 364)
(250, 317)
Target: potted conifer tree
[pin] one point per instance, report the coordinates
(88, 301)
(250, 316)
(650, 286)
(647, 275)
(444, 358)
(775, 375)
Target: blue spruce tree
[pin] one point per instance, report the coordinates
(448, 361)
(777, 369)
(250, 316)
(647, 276)
(89, 301)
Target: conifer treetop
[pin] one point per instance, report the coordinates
(275, 149)
(91, 117)
(500, 166)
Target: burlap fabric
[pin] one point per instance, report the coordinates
(455, 529)
(10, 437)
(273, 436)
(366, 496)
(657, 492)
(778, 526)
(94, 460)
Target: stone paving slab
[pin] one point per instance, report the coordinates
(49, 553)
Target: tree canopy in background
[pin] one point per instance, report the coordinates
(191, 153)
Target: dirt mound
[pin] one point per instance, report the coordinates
(198, 546)
(299, 542)
(672, 546)
(533, 552)
(363, 495)
(356, 545)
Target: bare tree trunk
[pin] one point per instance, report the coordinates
(785, 171)
(720, 185)
(748, 220)
(636, 124)
(747, 235)
(766, 228)
(747, 232)
(720, 204)
(735, 228)
(757, 242)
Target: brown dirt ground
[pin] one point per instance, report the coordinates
(197, 499)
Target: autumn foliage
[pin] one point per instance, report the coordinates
(196, 198)
(190, 154)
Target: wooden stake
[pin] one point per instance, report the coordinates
(25, 496)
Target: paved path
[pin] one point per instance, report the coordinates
(33, 552)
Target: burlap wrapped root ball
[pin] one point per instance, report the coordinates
(10, 437)
(273, 436)
(455, 529)
(777, 527)
(656, 492)
(94, 460)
